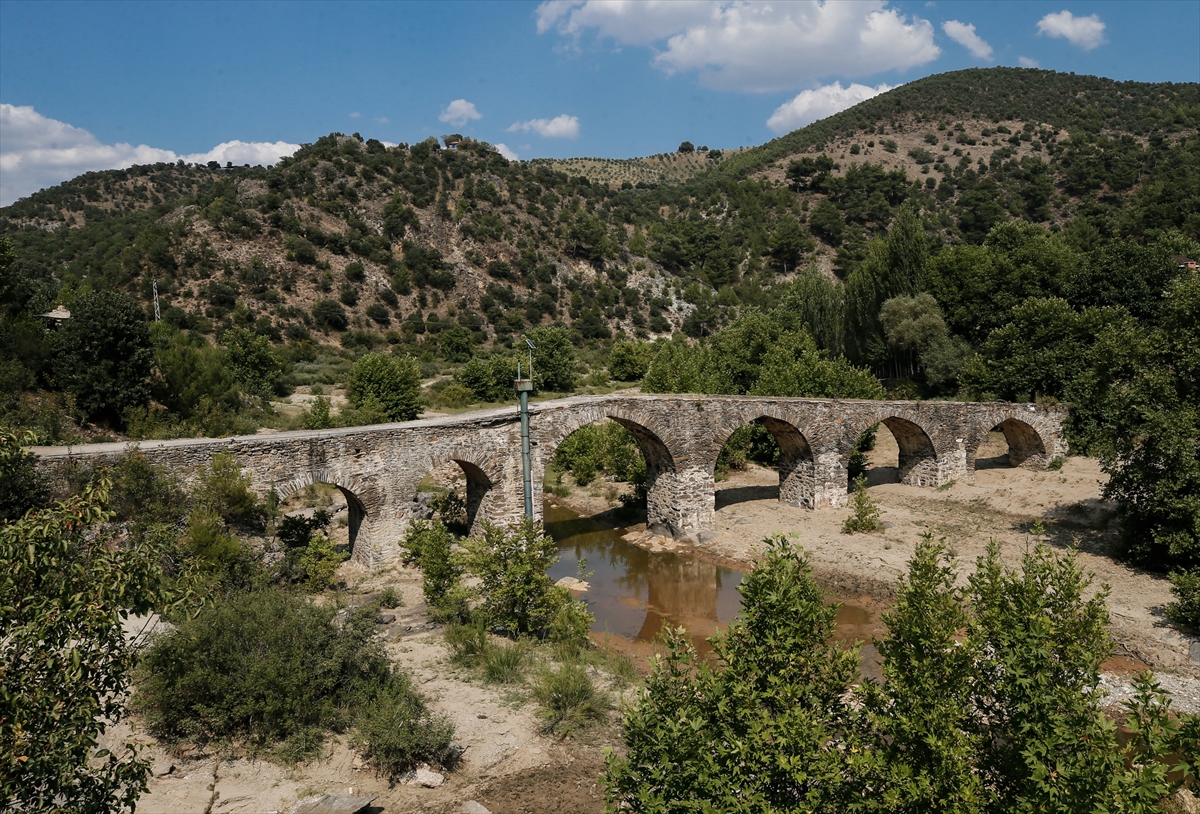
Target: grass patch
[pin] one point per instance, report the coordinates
(569, 698)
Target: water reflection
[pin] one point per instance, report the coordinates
(635, 592)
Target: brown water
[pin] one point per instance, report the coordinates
(634, 593)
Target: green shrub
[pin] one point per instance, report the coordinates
(430, 546)
(601, 448)
(390, 598)
(257, 667)
(209, 541)
(516, 592)
(629, 361)
(468, 644)
(570, 699)
(224, 489)
(21, 487)
(866, 513)
(319, 562)
(1005, 718)
(396, 731)
(1185, 610)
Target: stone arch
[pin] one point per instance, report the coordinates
(1027, 448)
(797, 467)
(918, 457)
(661, 482)
(483, 474)
(362, 502)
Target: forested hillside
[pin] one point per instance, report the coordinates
(1006, 233)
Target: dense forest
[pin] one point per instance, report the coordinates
(999, 233)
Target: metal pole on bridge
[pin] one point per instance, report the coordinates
(524, 386)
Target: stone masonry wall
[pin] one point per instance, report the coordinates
(379, 467)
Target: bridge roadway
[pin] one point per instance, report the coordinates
(379, 467)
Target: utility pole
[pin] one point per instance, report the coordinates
(524, 386)
(157, 315)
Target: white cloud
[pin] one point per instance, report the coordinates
(748, 45)
(38, 152)
(1026, 62)
(1086, 32)
(507, 152)
(459, 112)
(811, 105)
(355, 115)
(563, 126)
(964, 34)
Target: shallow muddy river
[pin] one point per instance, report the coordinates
(634, 593)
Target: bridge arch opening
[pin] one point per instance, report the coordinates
(344, 509)
(1010, 444)
(607, 469)
(904, 453)
(452, 491)
(765, 443)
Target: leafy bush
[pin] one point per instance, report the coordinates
(866, 513)
(396, 731)
(319, 562)
(489, 380)
(629, 361)
(64, 590)
(516, 592)
(224, 489)
(330, 315)
(601, 448)
(105, 357)
(1185, 610)
(1003, 719)
(430, 544)
(21, 487)
(394, 382)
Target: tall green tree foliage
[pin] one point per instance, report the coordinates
(104, 355)
(894, 266)
(389, 382)
(64, 592)
(1144, 390)
(1006, 719)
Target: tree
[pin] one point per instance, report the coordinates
(330, 316)
(757, 730)
(252, 361)
(65, 590)
(512, 566)
(893, 266)
(686, 147)
(393, 382)
(553, 359)
(990, 703)
(629, 361)
(105, 358)
(21, 487)
(794, 367)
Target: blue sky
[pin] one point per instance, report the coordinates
(104, 84)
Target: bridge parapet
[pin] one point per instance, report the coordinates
(379, 467)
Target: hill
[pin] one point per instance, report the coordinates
(443, 252)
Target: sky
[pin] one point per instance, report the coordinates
(99, 85)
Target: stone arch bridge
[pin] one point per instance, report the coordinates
(379, 467)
